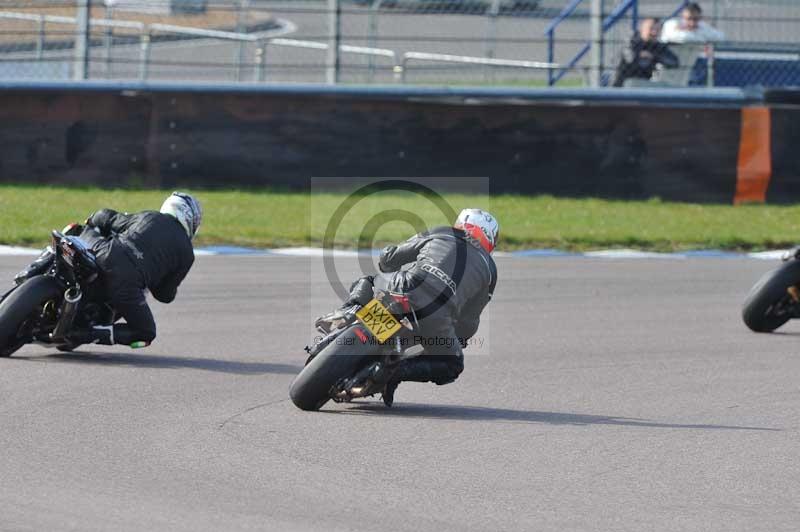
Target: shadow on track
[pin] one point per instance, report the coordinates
(167, 362)
(479, 413)
(785, 333)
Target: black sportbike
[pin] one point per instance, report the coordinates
(775, 298)
(65, 296)
(341, 365)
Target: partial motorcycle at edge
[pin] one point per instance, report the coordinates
(775, 298)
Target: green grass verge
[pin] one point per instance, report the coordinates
(274, 218)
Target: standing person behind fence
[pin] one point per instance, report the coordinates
(644, 52)
(690, 27)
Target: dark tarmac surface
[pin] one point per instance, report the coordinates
(610, 395)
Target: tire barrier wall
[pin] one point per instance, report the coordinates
(679, 144)
(784, 182)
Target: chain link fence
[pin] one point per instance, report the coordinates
(488, 42)
(760, 45)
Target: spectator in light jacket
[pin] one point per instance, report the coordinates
(690, 27)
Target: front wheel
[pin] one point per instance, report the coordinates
(20, 306)
(769, 305)
(341, 359)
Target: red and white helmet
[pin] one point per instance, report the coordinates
(480, 225)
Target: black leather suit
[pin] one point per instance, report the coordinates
(449, 282)
(137, 251)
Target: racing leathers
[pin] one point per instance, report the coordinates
(449, 282)
(145, 250)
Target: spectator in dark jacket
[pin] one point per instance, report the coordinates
(644, 52)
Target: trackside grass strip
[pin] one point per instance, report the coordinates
(267, 218)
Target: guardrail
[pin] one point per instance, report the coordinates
(40, 21)
(400, 70)
(146, 33)
(195, 32)
(262, 44)
(261, 52)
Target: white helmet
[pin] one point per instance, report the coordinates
(186, 209)
(480, 225)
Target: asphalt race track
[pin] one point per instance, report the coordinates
(615, 395)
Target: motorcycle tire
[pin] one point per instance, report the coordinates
(311, 389)
(19, 306)
(761, 311)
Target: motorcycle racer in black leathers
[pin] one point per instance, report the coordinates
(146, 250)
(450, 280)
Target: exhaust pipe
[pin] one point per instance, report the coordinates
(72, 297)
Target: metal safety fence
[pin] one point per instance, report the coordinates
(484, 42)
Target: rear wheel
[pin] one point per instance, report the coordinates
(769, 305)
(6, 294)
(341, 359)
(20, 306)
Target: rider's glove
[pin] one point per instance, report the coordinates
(383, 260)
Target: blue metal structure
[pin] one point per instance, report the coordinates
(615, 16)
(678, 9)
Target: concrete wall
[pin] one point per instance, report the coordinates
(675, 144)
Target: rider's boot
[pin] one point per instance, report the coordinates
(37, 267)
(388, 392)
(338, 318)
(360, 294)
(424, 370)
(99, 334)
(417, 370)
(384, 378)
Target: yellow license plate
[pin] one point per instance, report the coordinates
(378, 320)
